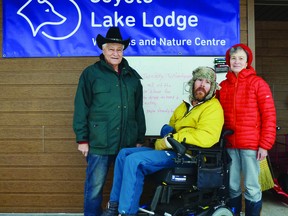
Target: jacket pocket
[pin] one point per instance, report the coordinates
(101, 86)
(98, 134)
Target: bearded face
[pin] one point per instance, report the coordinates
(201, 89)
(200, 94)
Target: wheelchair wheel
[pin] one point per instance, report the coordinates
(222, 211)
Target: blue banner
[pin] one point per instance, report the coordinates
(56, 28)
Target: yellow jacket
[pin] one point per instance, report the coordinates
(200, 126)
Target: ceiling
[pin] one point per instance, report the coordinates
(271, 10)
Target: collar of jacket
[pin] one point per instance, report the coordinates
(243, 74)
(123, 66)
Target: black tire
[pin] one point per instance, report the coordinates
(222, 211)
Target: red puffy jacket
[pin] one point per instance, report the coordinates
(249, 110)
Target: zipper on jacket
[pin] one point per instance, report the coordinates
(234, 108)
(121, 107)
(189, 110)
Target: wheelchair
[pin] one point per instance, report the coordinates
(196, 186)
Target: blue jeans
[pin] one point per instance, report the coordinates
(131, 166)
(96, 172)
(245, 162)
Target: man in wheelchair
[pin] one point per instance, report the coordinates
(197, 121)
(197, 185)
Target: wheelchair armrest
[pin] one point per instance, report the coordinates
(178, 147)
(181, 148)
(218, 146)
(198, 148)
(225, 132)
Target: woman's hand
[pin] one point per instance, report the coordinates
(261, 154)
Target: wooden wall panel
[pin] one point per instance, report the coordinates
(31, 118)
(20, 146)
(42, 187)
(272, 57)
(40, 167)
(60, 92)
(42, 173)
(41, 78)
(35, 203)
(42, 159)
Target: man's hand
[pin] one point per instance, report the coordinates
(139, 145)
(83, 148)
(261, 154)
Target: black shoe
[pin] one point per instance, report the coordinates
(112, 209)
(253, 208)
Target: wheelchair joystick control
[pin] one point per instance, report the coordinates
(178, 147)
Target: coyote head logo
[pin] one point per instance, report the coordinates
(40, 13)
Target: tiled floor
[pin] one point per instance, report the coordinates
(41, 214)
(272, 206)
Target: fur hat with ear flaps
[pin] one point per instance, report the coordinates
(203, 73)
(113, 36)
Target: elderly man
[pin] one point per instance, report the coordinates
(108, 114)
(198, 121)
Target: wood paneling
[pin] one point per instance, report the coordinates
(40, 167)
(272, 57)
(24, 92)
(42, 174)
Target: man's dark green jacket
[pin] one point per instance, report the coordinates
(108, 108)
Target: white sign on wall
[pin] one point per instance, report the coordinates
(164, 85)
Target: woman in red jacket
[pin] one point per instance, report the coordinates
(249, 110)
